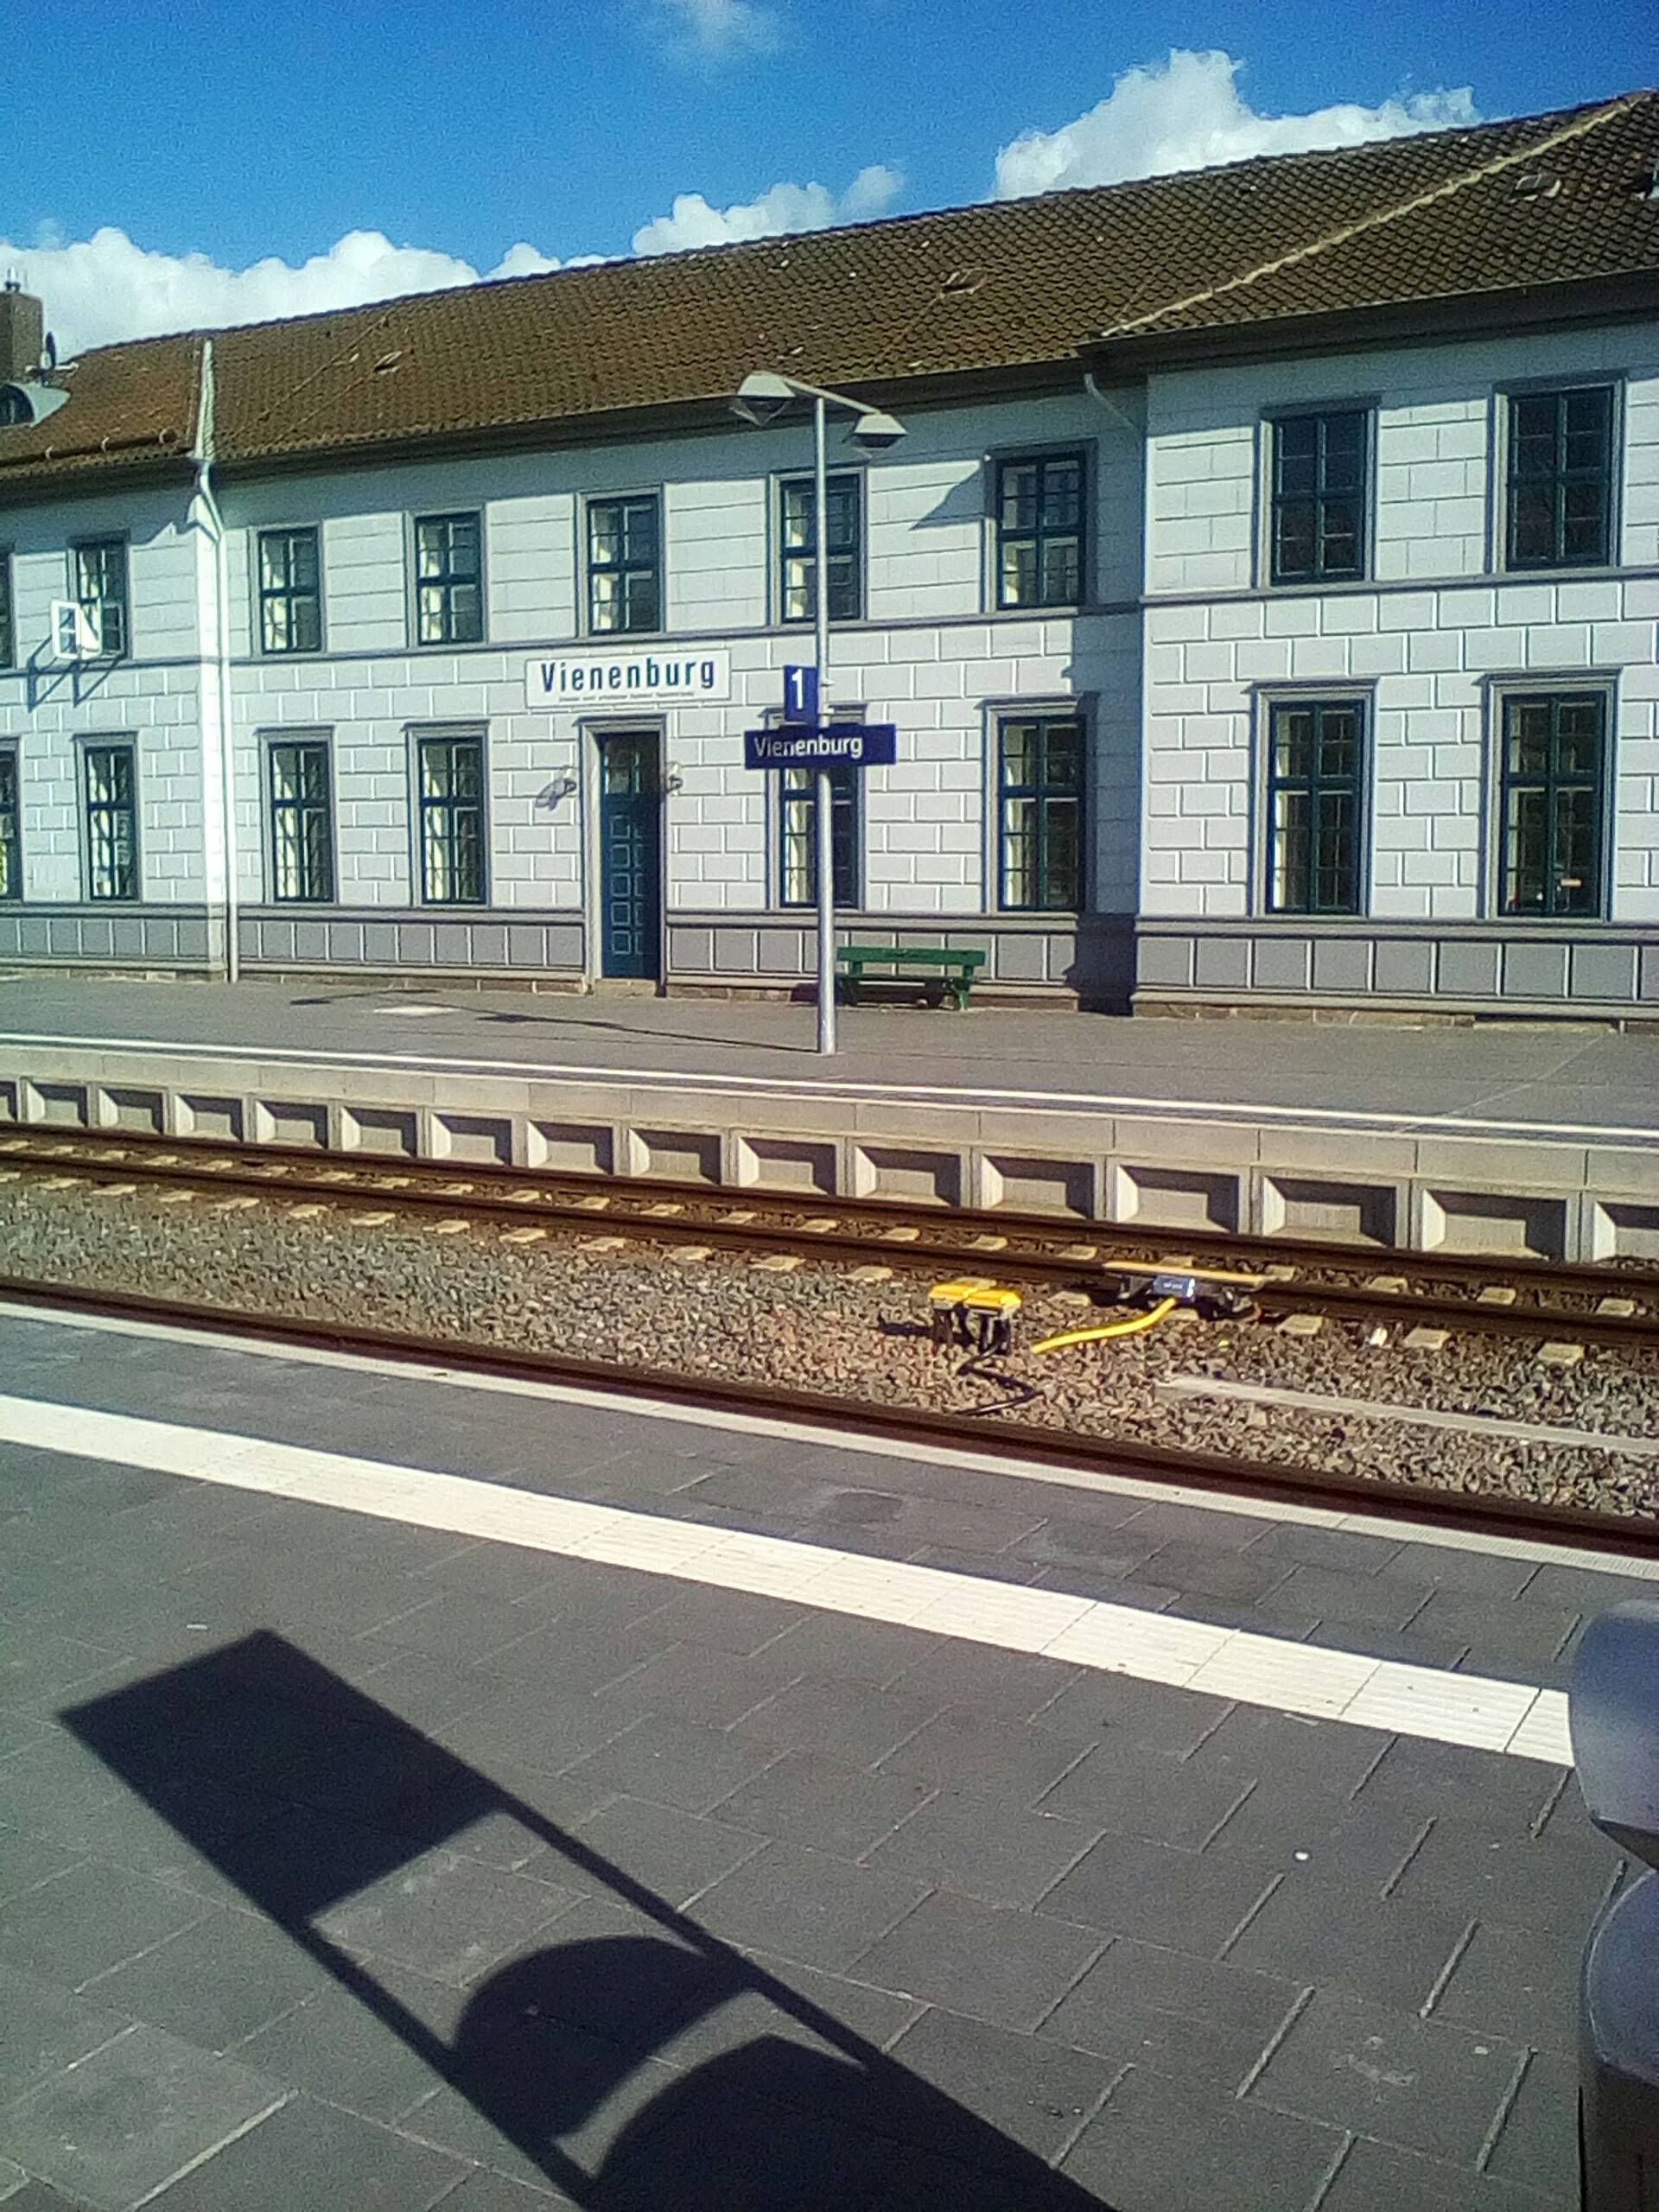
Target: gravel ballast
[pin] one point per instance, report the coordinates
(653, 1305)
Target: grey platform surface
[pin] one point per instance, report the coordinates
(683, 1899)
(1530, 1074)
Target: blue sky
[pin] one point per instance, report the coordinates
(206, 129)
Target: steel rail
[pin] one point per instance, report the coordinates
(319, 1177)
(1044, 1230)
(838, 1418)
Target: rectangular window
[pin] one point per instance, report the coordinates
(11, 838)
(1040, 814)
(798, 593)
(290, 591)
(448, 580)
(1316, 752)
(8, 634)
(301, 820)
(1040, 530)
(451, 784)
(111, 821)
(624, 564)
(1554, 776)
(101, 587)
(1319, 498)
(1560, 479)
(799, 817)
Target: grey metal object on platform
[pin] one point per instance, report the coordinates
(1615, 1719)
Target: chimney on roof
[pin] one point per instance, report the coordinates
(22, 331)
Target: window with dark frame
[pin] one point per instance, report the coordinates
(101, 588)
(1552, 802)
(797, 592)
(1560, 504)
(301, 820)
(290, 591)
(448, 580)
(1040, 530)
(11, 826)
(798, 826)
(1040, 814)
(1318, 497)
(1316, 768)
(8, 633)
(111, 821)
(624, 564)
(450, 775)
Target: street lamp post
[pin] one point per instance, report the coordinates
(760, 399)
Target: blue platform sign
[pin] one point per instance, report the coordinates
(838, 745)
(800, 695)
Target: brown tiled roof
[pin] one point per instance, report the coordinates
(1542, 200)
(128, 405)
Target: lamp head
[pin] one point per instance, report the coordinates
(875, 432)
(761, 397)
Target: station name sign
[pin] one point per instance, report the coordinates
(850, 745)
(631, 679)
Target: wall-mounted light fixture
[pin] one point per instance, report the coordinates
(559, 787)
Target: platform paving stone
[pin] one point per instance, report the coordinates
(26, 1860)
(1378, 2177)
(1013, 1684)
(214, 1983)
(117, 2125)
(1519, 1981)
(43, 2029)
(807, 1906)
(1022, 1759)
(675, 1855)
(691, 1682)
(970, 1842)
(1134, 1790)
(992, 1963)
(845, 1721)
(831, 1808)
(445, 1915)
(1383, 1948)
(1538, 2146)
(1376, 2071)
(1196, 2020)
(1518, 1880)
(1189, 1901)
(306, 2153)
(674, 1763)
(82, 1923)
(1161, 2145)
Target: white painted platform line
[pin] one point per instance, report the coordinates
(1394, 1530)
(1263, 1670)
(682, 1079)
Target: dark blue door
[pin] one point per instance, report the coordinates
(631, 854)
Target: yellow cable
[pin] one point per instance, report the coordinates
(1132, 1328)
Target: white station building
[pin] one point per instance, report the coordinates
(1264, 593)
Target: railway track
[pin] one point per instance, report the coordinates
(1529, 1298)
(1007, 1440)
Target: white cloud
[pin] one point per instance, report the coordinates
(1186, 113)
(1182, 113)
(784, 207)
(713, 30)
(103, 288)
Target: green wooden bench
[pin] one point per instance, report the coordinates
(944, 970)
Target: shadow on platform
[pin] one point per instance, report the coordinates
(769, 2124)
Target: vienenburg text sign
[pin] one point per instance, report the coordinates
(664, 677)
(838, 745)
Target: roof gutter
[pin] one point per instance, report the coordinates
(210, 507)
